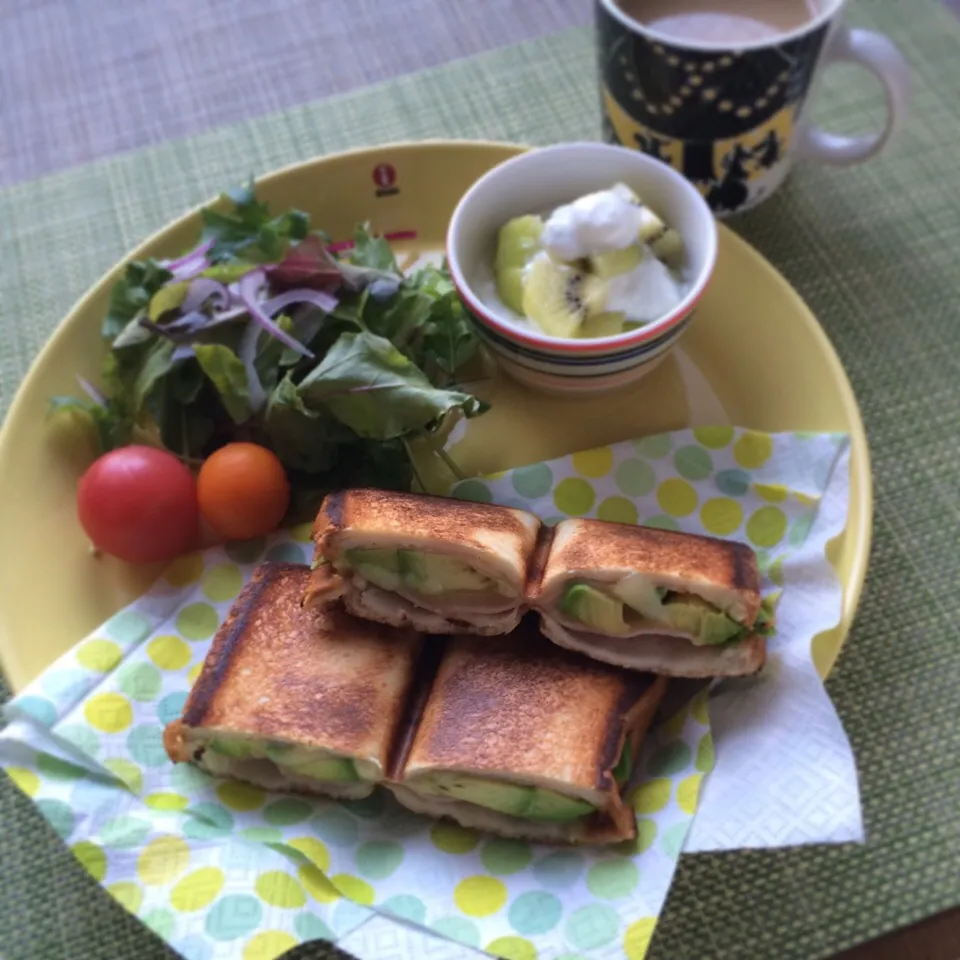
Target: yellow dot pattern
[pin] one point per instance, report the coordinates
(26, 780)
(480, 896)
(91, 858)
(162, 860)
(99, 655)
(108, 712)
(721, 516)
(127, 894)
(353, 887)
(241, 796)
(197, 890)
(752, 450)
(317, 885)
(184, 570)
(677, 497)
(313, 849)
(279, 889)
(166, 801)
(268, 945)
(652, 796)
(512, 948)
(687, 793)
(169, 652)
(636, 941)
(594, 463)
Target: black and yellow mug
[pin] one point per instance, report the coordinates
(733, 117)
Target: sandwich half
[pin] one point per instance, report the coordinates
(520, 738)
(296, 699)
(433, 563)
(669, 603)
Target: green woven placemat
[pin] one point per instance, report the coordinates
(874, 252)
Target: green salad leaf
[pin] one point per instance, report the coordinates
(248, 232)
(132, 294)
(228, 375)
(372, 251)
(372, 387)
(194, 373)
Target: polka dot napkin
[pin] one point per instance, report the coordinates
(220, 869)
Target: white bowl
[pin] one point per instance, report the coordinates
(540, 180)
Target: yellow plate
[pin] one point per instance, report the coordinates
(785, 376)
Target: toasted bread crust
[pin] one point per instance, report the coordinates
(277, 670)
(582, 547)
(175, 742)
(461, 526)
(519, 705)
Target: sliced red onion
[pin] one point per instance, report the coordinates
(323, 301)
(91, 391)
(189, 268)
(195, 253)
(250, 286)
(247, 352)
(203, 289)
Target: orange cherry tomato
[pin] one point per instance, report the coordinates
(243, 491)
(139, 504)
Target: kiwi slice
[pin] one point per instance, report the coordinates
(615, 262)
(559, 298)
(665, 243)
(607, 324)
(517, 243)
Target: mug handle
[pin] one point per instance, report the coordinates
(882, 58)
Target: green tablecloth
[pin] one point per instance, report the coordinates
(874, 252)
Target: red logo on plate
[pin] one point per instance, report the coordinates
(384, 175)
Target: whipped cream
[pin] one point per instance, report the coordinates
(595, 223)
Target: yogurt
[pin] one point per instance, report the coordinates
(596, 223)
(603, 222)
(646, 292)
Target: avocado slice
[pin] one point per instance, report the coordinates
(380, 567)
(594, 608)
(328, 768)
(510, 798)
(433, 573)
(310, 763)
(641, 595)
(237, 749)
(548, 805)
(706, 625)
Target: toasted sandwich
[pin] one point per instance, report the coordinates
(294, 698)
(520, 738)
(669, 603)
(435, 564)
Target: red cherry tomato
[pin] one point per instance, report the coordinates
(139, 504)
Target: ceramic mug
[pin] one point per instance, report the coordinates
(732, 118)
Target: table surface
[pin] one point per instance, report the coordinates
(84, 79)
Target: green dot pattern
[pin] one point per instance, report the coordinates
(218, 868)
